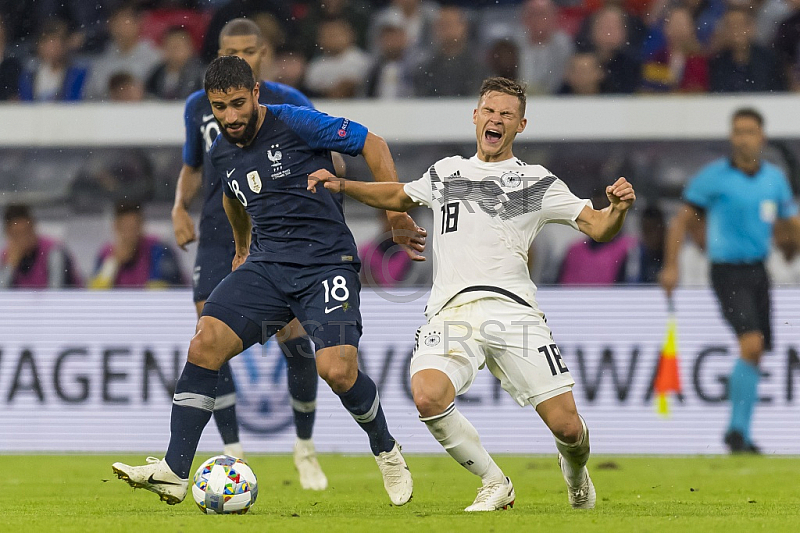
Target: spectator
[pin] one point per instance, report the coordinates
(680, 64)
(356, 12)
(452, 69)
(126, 52)
(390, 76)
(288, 68)
(502, 59)
(621, 69)
(10, 68)
(419, 18)
(342, 67)
(133, 259)
(768, 17)
(741, 65)
(787, 44)
(30, 261)
(648, 257)
(589, 262)
(181, 73)
(584, 75)
(54, 77)
(124, 87)
(544, 48)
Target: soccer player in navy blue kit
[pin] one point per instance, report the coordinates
(215, 252)
(303, 265)
(739, 198)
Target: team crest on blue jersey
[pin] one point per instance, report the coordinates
(510, 179)
(254, 181)
(275, 156)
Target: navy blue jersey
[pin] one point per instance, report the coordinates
(270, 177)
(201, 130)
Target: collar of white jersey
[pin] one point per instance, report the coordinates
(512, 162)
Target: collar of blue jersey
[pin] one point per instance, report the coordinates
(748, 174)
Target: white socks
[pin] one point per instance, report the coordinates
(461, 440)
(575, 456)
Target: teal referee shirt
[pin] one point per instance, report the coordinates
(740, 209)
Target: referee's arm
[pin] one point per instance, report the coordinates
(686, 218)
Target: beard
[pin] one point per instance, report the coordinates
(248, 133)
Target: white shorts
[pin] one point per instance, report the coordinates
(513, 340)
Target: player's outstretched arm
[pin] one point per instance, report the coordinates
(383, 195)
(240, 222)
(189, 181)
(604, 224)
(404, 230)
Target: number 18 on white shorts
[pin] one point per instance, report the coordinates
(513, 340)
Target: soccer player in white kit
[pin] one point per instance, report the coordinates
(482, 310)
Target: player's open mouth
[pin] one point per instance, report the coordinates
(492, 136)
(234, 128)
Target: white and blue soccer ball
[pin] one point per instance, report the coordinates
(224, 485)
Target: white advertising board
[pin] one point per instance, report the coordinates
(93, 372)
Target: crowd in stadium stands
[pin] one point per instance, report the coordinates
(68, 50)
(135, 259)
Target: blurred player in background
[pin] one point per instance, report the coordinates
(739, 198)
(482, 309)
(215, 252)
(303, 264)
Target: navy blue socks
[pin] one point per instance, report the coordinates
(302, 377)
(363, 402)
(191, 409)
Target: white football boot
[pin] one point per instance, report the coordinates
(583, 496)
(396, 476)
(305, 460)
(234, 450)
(494, 497)
(156, 477)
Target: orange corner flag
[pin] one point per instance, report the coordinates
(667, 377)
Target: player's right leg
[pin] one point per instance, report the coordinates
(435, 380)
(560, 414)
(213, 344)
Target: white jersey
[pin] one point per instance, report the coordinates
(486, 216)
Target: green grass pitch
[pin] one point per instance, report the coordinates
(641, 494)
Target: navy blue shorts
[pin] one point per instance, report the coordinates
(212, 264)
(258, 299)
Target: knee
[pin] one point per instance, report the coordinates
(340, 377)
(432, 397)
(568, 430)
(204, 350)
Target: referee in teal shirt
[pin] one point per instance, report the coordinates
(739, 199)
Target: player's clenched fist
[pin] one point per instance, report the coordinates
(621, 194)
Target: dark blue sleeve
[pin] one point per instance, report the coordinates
(289, 94)
(321, 131)
(193, 145)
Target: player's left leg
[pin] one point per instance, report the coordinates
(560, 414)
(301, 373)
(338, 366)
(327, 302)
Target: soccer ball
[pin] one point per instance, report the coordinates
(224, 485)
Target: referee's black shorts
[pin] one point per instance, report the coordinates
(743, 294)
